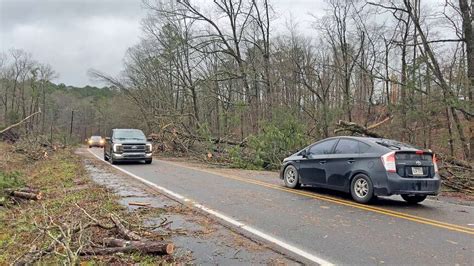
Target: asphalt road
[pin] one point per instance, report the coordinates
(321, 223)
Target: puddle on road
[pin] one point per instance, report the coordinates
(199, 240)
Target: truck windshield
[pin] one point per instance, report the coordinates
(129, 134)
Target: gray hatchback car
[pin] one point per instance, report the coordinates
(364, 167)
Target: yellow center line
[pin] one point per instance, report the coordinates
(405, 216)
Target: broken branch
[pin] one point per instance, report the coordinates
(19, 123)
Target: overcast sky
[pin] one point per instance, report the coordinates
(76, 35)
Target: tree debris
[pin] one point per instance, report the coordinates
(355, 128)
(146, 247)
(126, 233)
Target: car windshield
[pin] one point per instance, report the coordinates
(129, 134)
(96, 138)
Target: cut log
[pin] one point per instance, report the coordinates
(27, 195)
(126, 233)
(144, 247)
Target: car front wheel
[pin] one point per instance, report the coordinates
(291, 177)
(413, 199)
(362, 189)
(148, 161)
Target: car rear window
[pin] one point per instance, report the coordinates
(95, 138)
(409, 156)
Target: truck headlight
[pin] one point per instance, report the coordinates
(117, 148)
(149, 148)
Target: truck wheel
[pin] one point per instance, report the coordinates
(362, 189)
(413, 199)
(148, 161)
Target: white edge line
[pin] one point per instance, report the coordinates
(226, 218)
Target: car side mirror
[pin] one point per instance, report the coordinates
(107, 138)
(303, 153)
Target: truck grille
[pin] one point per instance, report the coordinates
(133, 148)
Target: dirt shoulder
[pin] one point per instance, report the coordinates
(72, 219)
(72, 222)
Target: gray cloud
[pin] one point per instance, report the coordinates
(72, 35)
(76, 35)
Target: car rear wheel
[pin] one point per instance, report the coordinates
(105, 157)
(362, 189)
(413, 199)
(291, 177)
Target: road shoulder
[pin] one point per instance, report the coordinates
(199, 238)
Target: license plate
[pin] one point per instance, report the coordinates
(417, 170)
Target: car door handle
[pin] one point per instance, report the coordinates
(350, 160)
(322, 162)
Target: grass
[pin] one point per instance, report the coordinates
(65, 185)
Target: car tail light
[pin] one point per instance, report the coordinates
(388, 161)
(435, 163)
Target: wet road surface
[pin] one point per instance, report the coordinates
(325, 224)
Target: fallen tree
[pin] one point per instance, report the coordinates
(355, 128)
